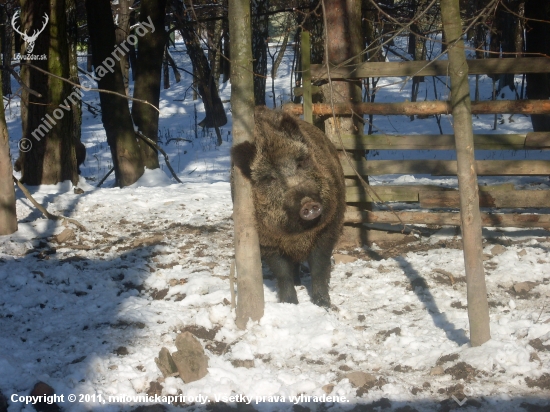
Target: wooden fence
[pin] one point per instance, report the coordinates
(435, 201)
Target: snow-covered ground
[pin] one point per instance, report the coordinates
(89, 315)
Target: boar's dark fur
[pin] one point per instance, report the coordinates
(80, 151)
(299, 198)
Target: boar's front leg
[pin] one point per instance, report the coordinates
(286, 271)
(319, 265)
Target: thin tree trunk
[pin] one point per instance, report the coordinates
(121, 33)
(115, 113)
(165, 71)
(478, 309)
(172, 64)
(215, 31)
(259, 48)
(148, 77)
(89, 62)
(225, 59)
(72, 36)
(8, 217)
(250, 304)
(215, 112)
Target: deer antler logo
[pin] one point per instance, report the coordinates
(30, 40)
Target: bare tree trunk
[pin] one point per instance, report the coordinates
(478, 309)
(250, 304)
(72, 36)
(6, 33)
(148, 71)
(537, 42)
(115, 113)
(121, 33)
(215, 112)
(47, 127)
(165, 70)
(8, 217)
(225, 58)
(259, 48)
(344, 42)
(215, 32)
(89, 61)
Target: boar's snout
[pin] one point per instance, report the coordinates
(311, 210)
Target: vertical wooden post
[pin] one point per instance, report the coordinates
(305, 47)
(478, 309)
(250, 299)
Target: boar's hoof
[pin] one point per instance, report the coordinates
(321, 300)
(311, 210)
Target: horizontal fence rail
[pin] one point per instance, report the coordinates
(447, 167)
(526, 141)
(422, 108)
(432, 68)
(354, 215)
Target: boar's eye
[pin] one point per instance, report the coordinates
(267, 179)
(302, 162)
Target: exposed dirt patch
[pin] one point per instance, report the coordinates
(447, 358)
(537, 345)
(543, 382)
(402, 368)
(201, 332)
(462, 371)
(385, 334)
(458, 305)
(378, 383)
(312, 361)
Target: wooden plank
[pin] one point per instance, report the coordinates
(537, 140)
(439, 142)
(496, 199)
(446, 219)
(409, 193)
(448, 167)
(493, 188)
(424, 108)
(389, 193)
(433, 68)
(306, 76)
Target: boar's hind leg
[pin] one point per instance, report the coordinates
(319, 265)
(285, 270)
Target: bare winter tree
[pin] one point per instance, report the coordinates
(537, 13)
(123, 15)
(250, 304)
(148, 77)
(215, 112)
(51, 158)
(260, 34)
(8, 217)
(115, 113)
(472, 240)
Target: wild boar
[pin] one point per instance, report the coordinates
(80, 151)
(299, 197)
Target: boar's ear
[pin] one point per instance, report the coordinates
(242, 155)
(289, 125)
